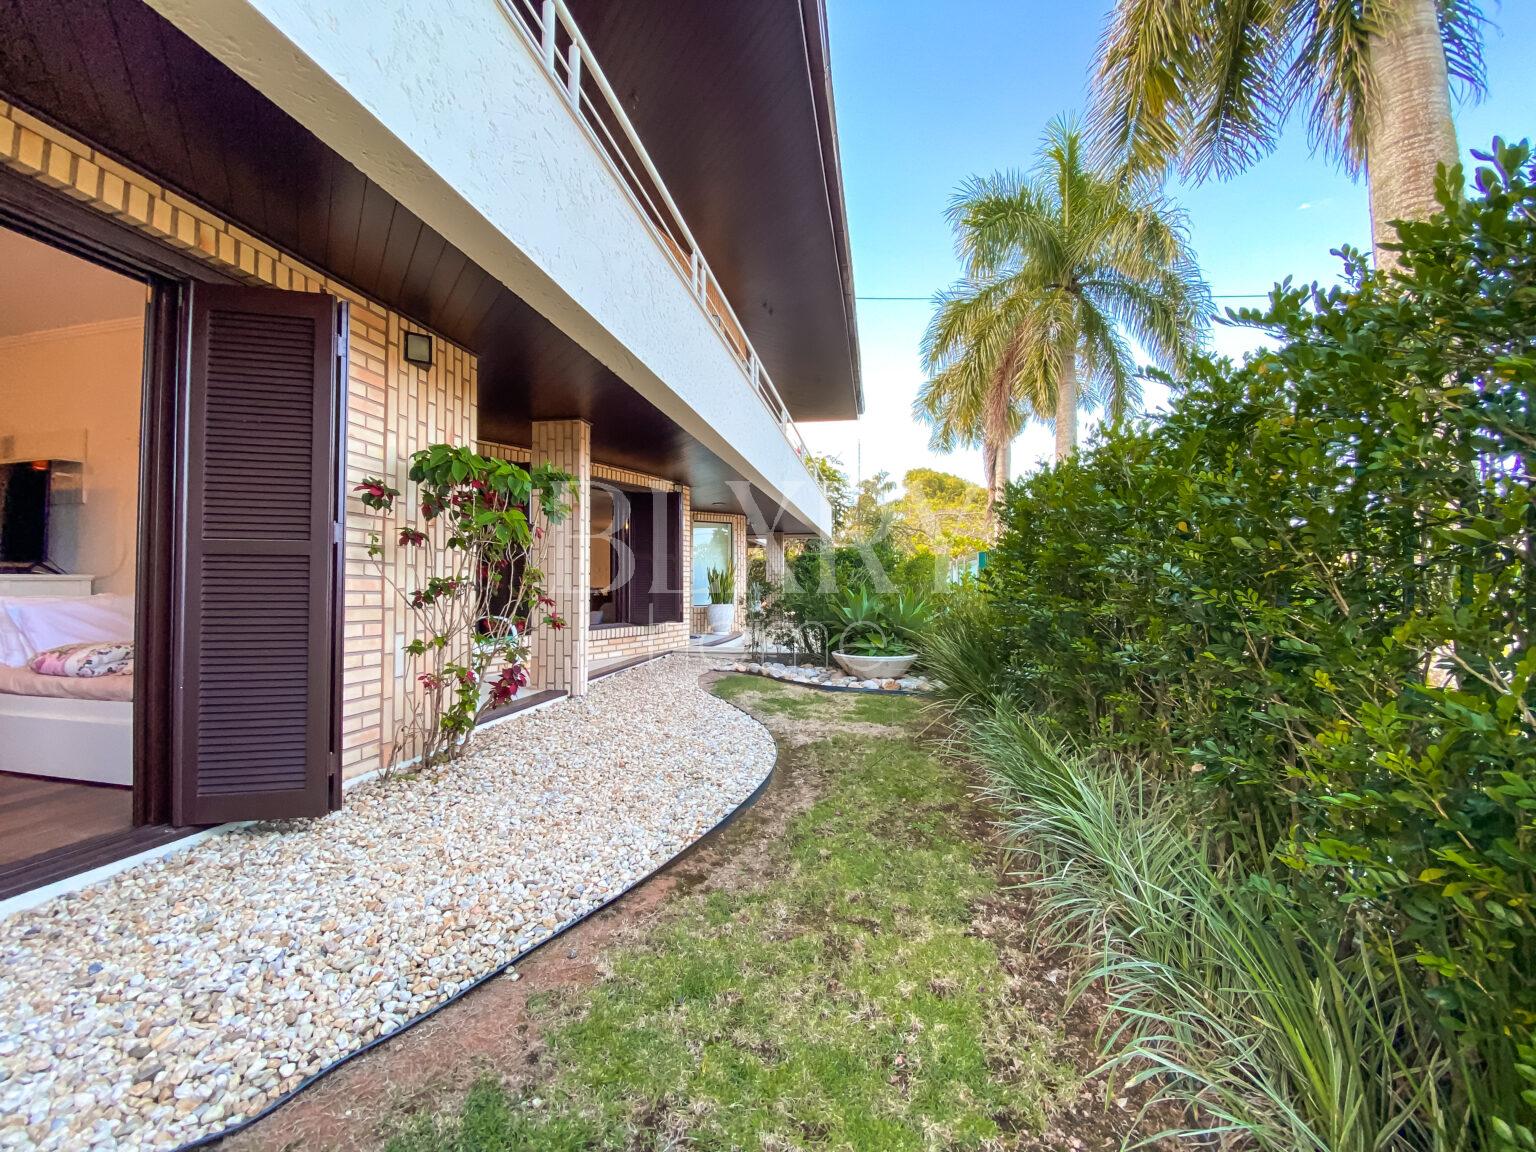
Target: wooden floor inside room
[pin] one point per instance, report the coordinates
(38, 815)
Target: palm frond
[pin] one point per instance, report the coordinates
(1141, 111)
(1108, 369)
(1461, 30)
(1237, 110)
(1207, 86)
(1331, 73)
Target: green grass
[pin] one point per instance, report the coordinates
(835, 999)
(778, 698)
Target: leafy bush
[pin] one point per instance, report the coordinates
(961, 651)
(1312, 583)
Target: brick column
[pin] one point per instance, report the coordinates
(565, 555)
(773, 553)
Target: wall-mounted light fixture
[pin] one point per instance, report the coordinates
(418, 349)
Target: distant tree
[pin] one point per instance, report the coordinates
(1062, 270)
(828, 473)
(1208, 85)
(944, 514)
(873, 517)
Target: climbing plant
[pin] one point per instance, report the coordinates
(463, 572)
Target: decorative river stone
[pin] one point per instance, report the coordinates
(183, 995)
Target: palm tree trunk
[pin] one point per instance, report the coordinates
(988, 470)
(1066, 403)
(1001, 467)
(995, 444)
(1409, 126)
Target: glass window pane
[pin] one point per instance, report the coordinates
(711, 549)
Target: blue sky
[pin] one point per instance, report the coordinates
(930, 93)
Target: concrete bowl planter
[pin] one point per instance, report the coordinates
(875, 667)
(721, 617)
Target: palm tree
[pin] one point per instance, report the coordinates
(1208, 85)
(1063, 270)
(975, 394)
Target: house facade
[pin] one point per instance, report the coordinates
(606, 236)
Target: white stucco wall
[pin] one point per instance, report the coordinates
(447, 108)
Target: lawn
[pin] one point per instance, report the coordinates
(829, 990)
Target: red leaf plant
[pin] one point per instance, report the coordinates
(464, 575)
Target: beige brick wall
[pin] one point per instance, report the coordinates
(394, 407)
(563, 551)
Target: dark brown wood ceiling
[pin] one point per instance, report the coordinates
(733, 102)
(117, 74)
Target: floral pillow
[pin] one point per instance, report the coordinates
(96, 658)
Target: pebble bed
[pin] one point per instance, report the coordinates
(815, 674)
(185, 994)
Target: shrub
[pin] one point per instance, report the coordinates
(1312, 582)
(820, 580)
(961, 651)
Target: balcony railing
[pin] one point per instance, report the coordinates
(555, 39)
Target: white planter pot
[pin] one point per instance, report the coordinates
(875, 667)
(721, 617)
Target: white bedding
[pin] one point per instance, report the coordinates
(65, 727)
(38, 623)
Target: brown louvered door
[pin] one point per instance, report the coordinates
(256, 723)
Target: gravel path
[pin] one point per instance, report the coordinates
(176, 998)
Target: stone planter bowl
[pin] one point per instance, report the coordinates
(875, 667)
(721, 617)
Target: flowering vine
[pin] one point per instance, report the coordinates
(465, 576)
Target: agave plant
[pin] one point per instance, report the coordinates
(880, 625)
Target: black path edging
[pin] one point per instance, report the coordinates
(725, 822)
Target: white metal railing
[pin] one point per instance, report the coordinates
(555, 39)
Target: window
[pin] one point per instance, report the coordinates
(712, 548)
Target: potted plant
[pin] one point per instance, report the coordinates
(876, 642)
(722, 598)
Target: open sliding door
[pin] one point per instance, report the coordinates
(257, 724)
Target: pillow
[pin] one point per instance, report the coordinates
(113, 658)
(51, 621)
(14, 652)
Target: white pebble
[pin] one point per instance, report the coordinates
(261, 955)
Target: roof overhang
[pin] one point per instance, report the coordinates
(734, 104)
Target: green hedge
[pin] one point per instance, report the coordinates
(1308, 589)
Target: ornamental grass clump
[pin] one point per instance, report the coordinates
(1263, 1027)
(465, 578)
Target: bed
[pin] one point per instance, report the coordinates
(64, 727)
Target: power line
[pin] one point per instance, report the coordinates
(1215, 296)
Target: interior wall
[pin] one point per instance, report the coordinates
(56, 384)
(602, 562)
